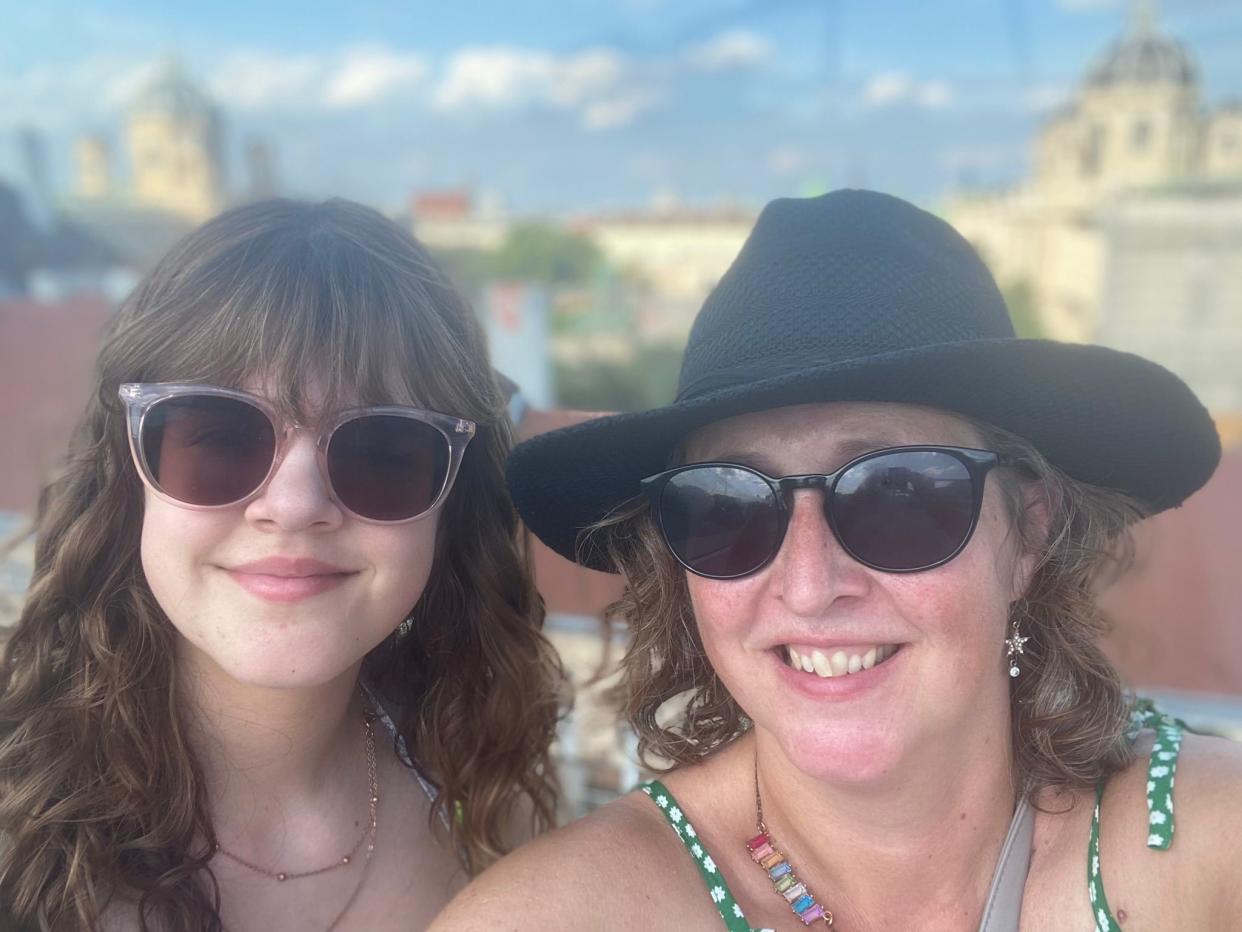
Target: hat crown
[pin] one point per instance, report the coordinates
(840, 277)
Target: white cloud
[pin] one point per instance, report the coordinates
(890, 88)
(492, 77)
(353, 77)
(256, 80)
(366, 75)
(886, 88)
(579, 78)
(728, 51)
(618, 111)
(598, 84)
(934, 94)
(87, 92)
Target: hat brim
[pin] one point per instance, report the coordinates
(1104, 417)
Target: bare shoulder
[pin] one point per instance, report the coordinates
(1199, 869)
(617, 868)
(1207, 794)
(1192, 884)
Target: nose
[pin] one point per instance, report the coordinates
(296, 497)
(812, 570)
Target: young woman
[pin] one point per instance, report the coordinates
(281, 664)
(861, 551)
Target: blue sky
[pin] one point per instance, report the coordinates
(561, 105)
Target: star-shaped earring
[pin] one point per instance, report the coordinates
(1014, 645)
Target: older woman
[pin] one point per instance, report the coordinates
(861, 551)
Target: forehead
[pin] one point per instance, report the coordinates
(815, 437)
(311, 394)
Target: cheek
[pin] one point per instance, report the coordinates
(174, 541)
(723, 611)
(966, 601)
(403, 559)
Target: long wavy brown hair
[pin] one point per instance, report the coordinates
(1069, 715)
(100, 793)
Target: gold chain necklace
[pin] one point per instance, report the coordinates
(367, 837)
(763, 851)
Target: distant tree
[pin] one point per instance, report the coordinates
(648, 380)
(469, 269)
(542, 253)
(1024, 309)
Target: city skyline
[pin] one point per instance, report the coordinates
(560, 107)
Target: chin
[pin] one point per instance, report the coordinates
(272, 665)
(842, 756)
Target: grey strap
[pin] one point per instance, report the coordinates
(1004, 903)
(385, 718)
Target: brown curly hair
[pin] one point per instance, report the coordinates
(1069, 714)
(100, 792)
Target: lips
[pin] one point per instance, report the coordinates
(287, 579)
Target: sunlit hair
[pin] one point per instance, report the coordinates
(100, 792)
(1069, 714)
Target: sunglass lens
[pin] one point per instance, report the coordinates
(904, 511)
(387, 468)
(720, 521)
(207, 449)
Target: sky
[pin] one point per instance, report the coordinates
(556, 106)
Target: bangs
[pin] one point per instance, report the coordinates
(331, 310)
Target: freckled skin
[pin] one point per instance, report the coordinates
(951, 619)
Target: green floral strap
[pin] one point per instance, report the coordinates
(1103, 916)
(722, 896)
(1161, 769)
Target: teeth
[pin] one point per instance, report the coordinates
(821, 664)
(840, 663)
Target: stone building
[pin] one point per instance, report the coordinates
(1136, 126)
(173, 146)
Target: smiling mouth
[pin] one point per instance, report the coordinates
(841, 662)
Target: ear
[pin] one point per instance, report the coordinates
(1034, 525)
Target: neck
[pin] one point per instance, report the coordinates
(268, 753)
(864, 851)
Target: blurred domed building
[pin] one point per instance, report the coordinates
(1136, 122)
(171, 173)
(175, 152)
(1129, 230)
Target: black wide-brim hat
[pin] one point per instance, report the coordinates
(859, 296)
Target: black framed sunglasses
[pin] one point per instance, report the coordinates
(899, 510)
(203, 447)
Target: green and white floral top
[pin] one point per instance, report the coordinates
(1160, 773)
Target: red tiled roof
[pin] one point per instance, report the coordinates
(47, 357)
(441, 205)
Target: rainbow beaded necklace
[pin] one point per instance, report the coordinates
(763, 851)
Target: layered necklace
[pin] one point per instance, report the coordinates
(764, 852)
(364, 845)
